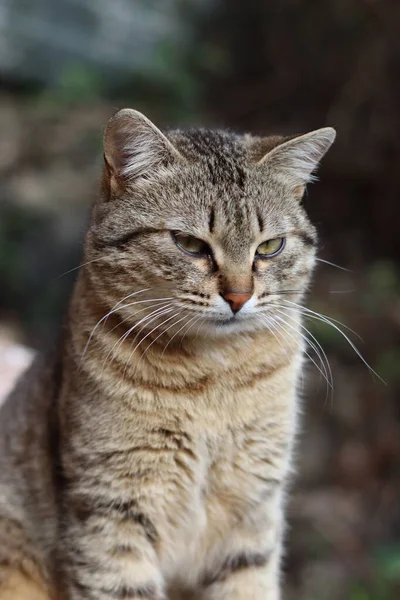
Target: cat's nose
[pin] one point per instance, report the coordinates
(236, 299)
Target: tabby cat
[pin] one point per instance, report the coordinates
(147, 457)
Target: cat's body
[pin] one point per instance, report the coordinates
(148, 457)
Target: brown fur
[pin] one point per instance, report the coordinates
(18, 586)
(148, 457)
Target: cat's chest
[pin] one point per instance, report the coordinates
(237, 474)
(244, 465)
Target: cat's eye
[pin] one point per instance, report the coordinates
(271, 247)
(191, 245)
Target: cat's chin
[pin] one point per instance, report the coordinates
(228, 326)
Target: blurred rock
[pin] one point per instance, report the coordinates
(14, 359)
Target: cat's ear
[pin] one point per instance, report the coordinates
(134, 147)
(295, 160)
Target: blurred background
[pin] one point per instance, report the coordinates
(258, 66)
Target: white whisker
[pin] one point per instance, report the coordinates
(117, 308)
(147, 319)
(323, 358)
(323, 318)
(266, 320)
(104, 318)
(320, 353)
(321, 370)
(137, 312)
(202, 319)
(195, 318)
(327, 262)
(199, 327)
(284, 338)
(150, 318)
(79, 267)
(164, 331)
(148, 334)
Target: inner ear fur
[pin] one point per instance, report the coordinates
(293, 159)
(134, 147)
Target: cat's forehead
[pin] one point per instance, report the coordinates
(208, 144)
(219, 185)
(218, 157)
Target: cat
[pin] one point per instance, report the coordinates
(148, 456)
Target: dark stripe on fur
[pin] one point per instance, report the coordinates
(85, 592)
(260, 221)
(240, 177)
(86, 507)
(122, 240)
(58, 475)
(307, 239)
(211, 222)
(233, 564)
(129, 593)
(118, 242)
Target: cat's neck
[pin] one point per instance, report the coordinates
(104, 351)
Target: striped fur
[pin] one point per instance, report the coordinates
(147, 457)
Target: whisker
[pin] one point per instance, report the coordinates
(321, 370)
(325, 319)
(280, 292)
(137, 312)
(147, 319)
(148, 323)
(195, 318)
(165, 304)
(165, 331)
(282, 311)
(327, 262)
(117, 308)
(266, 321)
(78, 267)
(147, 335)
(199, 327)
(190, 327)
(320, 353)
(105, 317)
(284, 338)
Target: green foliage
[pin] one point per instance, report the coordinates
(379, 591)
(385, 583)
(388, 560)
(383, 280)
(173, 88)
(327, 335)
(30, 259)
(76, 84)
(387, 365)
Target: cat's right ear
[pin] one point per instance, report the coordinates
(295, 159)
(135, 148)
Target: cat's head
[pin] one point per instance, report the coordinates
(202, 230)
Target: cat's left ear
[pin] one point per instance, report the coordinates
(295, 160)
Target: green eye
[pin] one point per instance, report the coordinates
(191, 244)
(271, 247)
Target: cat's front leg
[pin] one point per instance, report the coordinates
(247, 565)
(109, 553)
(247, 576)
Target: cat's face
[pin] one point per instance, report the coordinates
(203, 231)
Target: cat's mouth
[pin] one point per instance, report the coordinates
(234, 319)
(226, 321)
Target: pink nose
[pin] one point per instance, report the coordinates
(236, 299)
